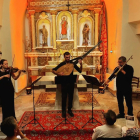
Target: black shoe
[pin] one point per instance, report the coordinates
(130, 114)
(70, 113)
(120, 116)
(63, 114)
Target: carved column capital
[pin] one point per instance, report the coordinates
(75, 11)
(53, 12)
(97, 10)
(31, 12)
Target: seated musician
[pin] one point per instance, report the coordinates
(68, 87)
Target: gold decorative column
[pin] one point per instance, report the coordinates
(53, 13)
(75, 12)
(32, 12)
(97, 11)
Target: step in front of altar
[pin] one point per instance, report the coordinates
(48, 82)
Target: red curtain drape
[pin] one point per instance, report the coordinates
(104, 44)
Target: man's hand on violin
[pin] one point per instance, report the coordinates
(7, 75)
(119, 67)
(80, 61)
(19, 71)
(121, 70)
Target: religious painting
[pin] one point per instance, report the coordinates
(64, 46)
(64, 26)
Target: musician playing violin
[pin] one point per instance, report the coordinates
(7, 89)
(123, 84)
(68, 87)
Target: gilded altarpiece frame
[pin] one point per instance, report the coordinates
(80, 12)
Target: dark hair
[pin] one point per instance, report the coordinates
(2, 60)
(110, 117)
(122, 58)
(66, 53)
(138, 116)
(8, 126)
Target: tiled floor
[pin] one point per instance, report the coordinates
(107, 101)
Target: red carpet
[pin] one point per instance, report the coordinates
(49, 119)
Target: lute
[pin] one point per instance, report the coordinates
(68, 68)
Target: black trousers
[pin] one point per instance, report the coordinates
(8, 108)
(67, 89)
(128, 98)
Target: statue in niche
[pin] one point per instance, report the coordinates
(64, 24)
(44, 36)
(85, 34)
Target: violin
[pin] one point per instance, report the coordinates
(13, 70)
(103, 86)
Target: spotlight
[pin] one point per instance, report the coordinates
(28, 90)
(101, 90)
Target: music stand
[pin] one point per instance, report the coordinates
(34, 119)
(92, 81)
(64, 80)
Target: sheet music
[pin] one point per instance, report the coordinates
(130, 121)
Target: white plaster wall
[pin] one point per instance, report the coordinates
(130, 44)
(5, 34)
(127, 41)
(134, 10)
(1, 5)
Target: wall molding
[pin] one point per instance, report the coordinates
(137, 26)
(1, 8)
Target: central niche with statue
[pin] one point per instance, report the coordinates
(64, 26)
(55, 30)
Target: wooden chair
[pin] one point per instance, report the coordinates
(135, 86)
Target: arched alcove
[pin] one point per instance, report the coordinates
(90, 22)
(68, 17)
(39, 25)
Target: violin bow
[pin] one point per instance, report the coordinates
(12, 63)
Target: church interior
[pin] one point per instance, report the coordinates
(35, 34)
